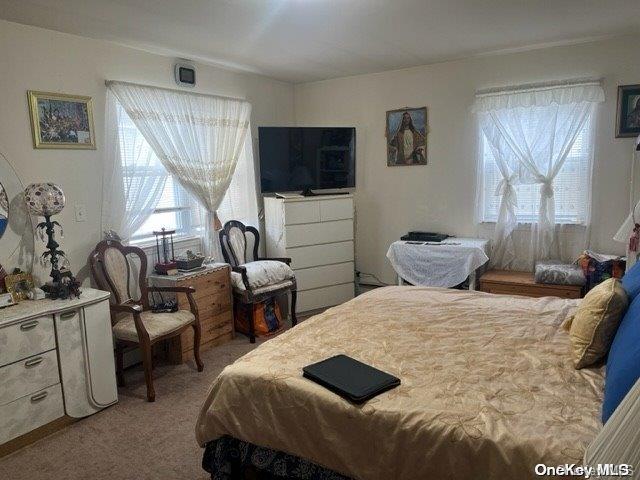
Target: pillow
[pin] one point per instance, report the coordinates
(594, 324)
(631, 281)
(623, 364)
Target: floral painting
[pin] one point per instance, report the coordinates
(407, 136)
(61, 121)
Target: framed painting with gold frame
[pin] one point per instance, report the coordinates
(19, 285)
(61, 121)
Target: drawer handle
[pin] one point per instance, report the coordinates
(67, 315)
(33, 362)
(39, 396)
(29, 325)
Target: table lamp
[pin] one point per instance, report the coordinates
(46, 200)
(629, 232)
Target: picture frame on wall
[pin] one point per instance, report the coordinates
(628, 113)
(59, 120)
(406, 133)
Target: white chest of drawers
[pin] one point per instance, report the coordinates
(56, 359)
(318, 234)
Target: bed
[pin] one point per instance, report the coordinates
(488, 391)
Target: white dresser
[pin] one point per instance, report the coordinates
(317, 233)
(56, 359)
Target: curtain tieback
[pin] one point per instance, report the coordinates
(546, 190)
(505, 189)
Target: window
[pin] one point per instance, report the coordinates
(571, 185)
(176, 209)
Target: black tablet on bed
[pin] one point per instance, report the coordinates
(349, 378)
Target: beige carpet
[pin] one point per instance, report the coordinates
(133, 439)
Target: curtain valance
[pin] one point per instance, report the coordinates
(539, 95)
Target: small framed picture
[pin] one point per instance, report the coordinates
(6, 300)
(19, 285)
(628, 115)
(406, 134)
(61, 121)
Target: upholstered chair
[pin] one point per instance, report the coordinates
(123, 271)
(255, 279)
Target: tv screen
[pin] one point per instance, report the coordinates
(304, 158)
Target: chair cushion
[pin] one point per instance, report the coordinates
(272, 288)
(595, 322)
(263, 273)
(631, 281)
(623, 363)
(157, 324)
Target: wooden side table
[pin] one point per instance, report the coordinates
(522, 283)
(215, 307)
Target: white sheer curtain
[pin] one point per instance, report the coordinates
(198, 139)
(530, 131)
(133, 178)
(241, 200)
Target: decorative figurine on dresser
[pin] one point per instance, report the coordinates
(47, 199)
(166, 264)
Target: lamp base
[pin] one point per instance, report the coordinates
(63, 289)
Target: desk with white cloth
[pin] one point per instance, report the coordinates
(439, 264)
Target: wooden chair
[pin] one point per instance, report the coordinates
(133, 323)
(255, 279)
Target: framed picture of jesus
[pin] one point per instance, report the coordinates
(407, 136)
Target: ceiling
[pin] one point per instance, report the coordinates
(306, 40)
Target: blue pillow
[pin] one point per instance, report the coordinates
(623, 363)
(631, 281)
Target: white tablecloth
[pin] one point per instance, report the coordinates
(444, 264)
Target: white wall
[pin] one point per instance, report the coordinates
(37, 59)
(441, 196)
(389, 200)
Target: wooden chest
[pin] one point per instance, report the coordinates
(215, 307)
(522, 283)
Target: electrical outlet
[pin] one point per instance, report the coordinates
(81, 213)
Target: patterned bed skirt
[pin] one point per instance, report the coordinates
(228, 458)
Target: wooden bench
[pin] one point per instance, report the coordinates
(521, 283)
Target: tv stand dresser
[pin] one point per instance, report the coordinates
(317, 232)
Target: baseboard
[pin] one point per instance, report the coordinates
(35, 435)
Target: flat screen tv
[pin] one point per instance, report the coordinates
(307, 158)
